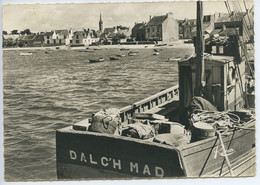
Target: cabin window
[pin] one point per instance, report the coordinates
(214, 50)
(221, 50)
(206, 18)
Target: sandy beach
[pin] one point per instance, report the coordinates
(139, 46)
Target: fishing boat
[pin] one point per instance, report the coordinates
(120, 55)
(32, 51)
(203, 127)
(132, 53)
(89, 50)
(25, 54)
(159, 45)
(174, 59)
(156, 53)
(114, 58)
(124, 49)
(97, 48)
(101, 59)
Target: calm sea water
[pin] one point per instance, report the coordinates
(44, 92)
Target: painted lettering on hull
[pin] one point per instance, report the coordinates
(116, 164)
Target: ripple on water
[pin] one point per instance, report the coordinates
(45, 92)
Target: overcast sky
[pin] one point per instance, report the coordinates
(46, 17)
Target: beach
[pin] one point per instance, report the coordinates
(119, 46)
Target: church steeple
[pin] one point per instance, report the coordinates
(100, 24)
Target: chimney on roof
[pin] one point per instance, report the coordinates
(150, 17)
(169, 15)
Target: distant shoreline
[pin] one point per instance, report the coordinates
(141, 46)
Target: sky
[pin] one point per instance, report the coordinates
(47, 17)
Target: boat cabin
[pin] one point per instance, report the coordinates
(224, 82)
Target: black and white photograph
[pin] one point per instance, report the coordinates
(128, 90)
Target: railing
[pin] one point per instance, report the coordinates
(149, 103)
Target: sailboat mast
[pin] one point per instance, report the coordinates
(200, 67)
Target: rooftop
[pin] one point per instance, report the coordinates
(156, 20)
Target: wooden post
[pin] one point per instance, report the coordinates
(200, 69)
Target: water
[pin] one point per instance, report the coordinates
(44, 92)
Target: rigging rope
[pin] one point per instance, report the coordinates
(246, 31)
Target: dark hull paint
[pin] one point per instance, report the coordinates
(136, 157)
(102, 154)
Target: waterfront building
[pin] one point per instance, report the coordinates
(10, 40)
(108, 35)
(138, 32)
(31, 40)
(90, 38)
(207, 25)
(77, 38)
(123, 33)
(57, 37)
(162, 28)
(185, 28)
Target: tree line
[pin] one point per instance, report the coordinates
(16, 32)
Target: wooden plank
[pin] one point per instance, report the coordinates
(240, 165)
(141, 102)
(204, 156)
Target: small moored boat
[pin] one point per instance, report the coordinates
(120, 55)
(173, 59)
(114, 58)
(132, 53)
(101, 59)
(89, 50)
(25, 54)
(156, 53)
(124, 49)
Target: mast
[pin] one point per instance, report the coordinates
(200, 67)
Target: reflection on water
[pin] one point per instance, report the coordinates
(44, 92)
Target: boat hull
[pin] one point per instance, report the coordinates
(111, 156)
(89, 155)
(206, 158)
